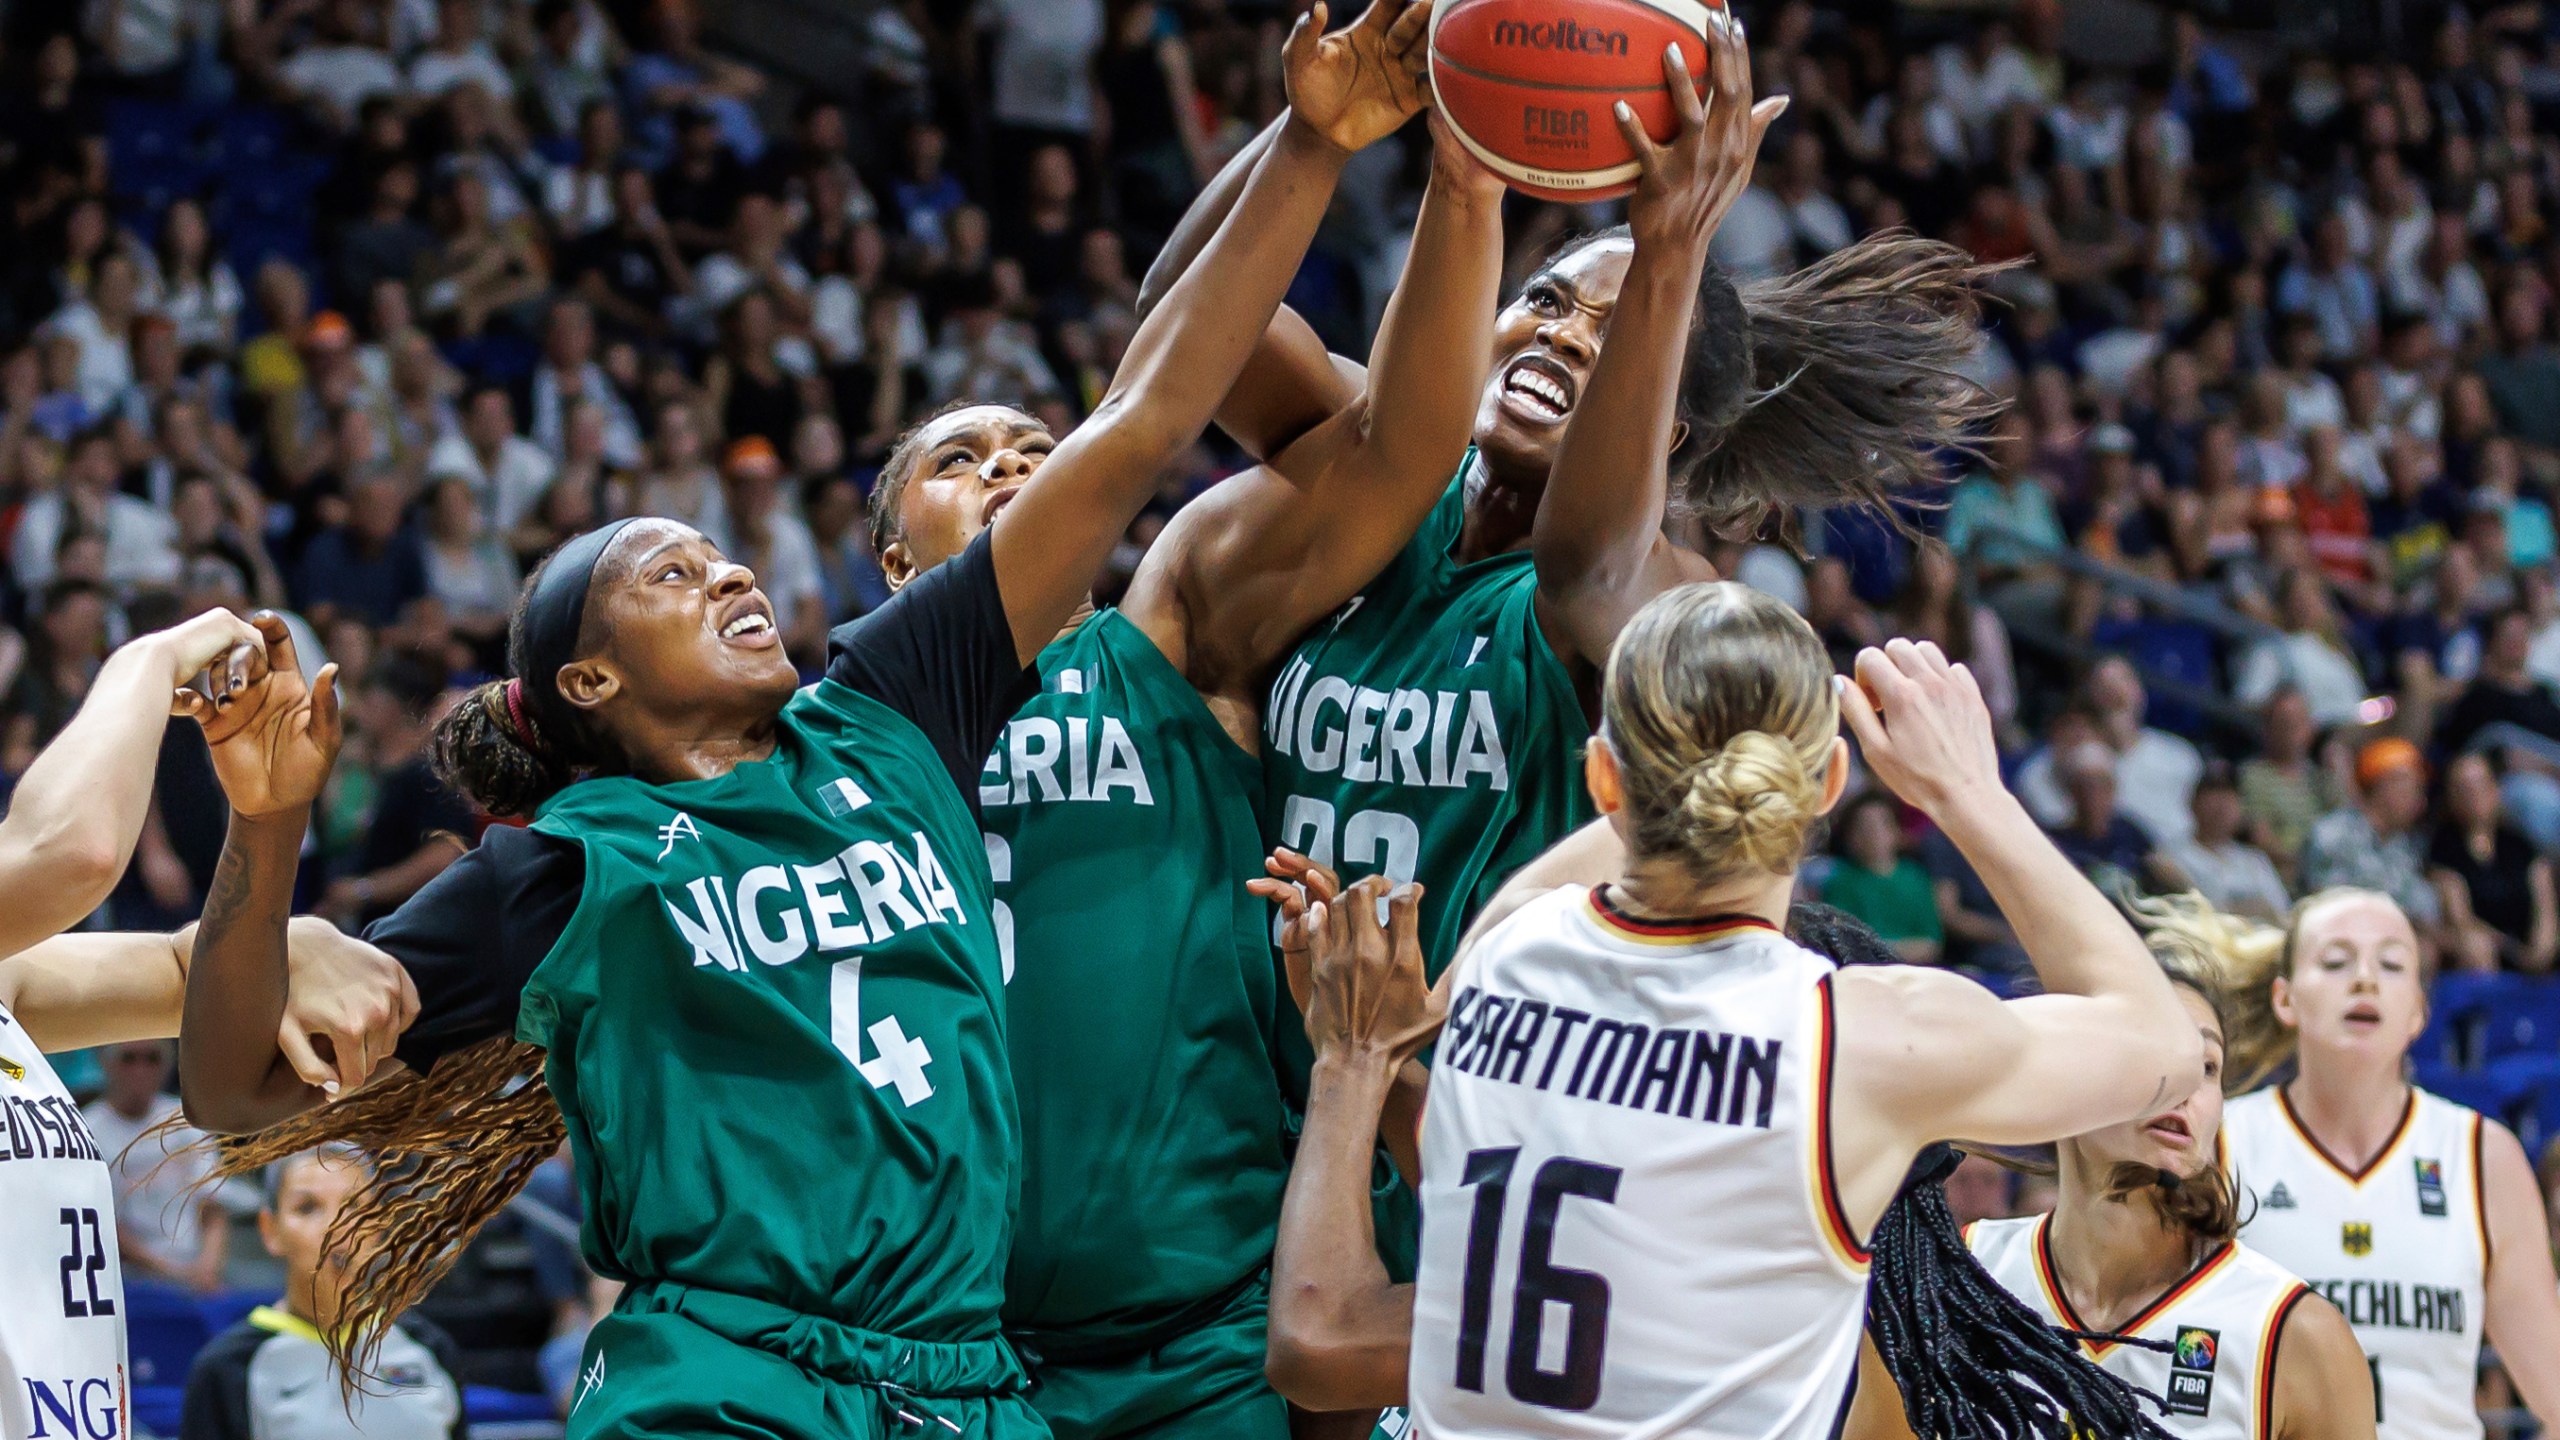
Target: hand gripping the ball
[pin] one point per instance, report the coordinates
(1688, 182)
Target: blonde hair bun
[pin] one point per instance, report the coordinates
(1753, 799)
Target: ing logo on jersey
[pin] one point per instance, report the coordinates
(2191, 1371)
(2356, 1238)
(2431, 1188)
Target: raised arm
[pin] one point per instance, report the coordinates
(1340, 1329)
(1925, 1055)
(1049, 543)
(1292, 383)
(272, 753)
(78, 811)
(1246, 568)
(1598, 539)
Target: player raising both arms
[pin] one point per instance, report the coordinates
(1428, 731)
(2418, 1216)
(742, 911)
(1121, 816)
(1658, 1130)
(2138, 1259)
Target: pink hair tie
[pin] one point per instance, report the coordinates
(515, 712)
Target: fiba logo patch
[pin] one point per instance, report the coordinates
(2356, 1238)
(2191, 1370)
(2279, 1198)
(2431, 1188)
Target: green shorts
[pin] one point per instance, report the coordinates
(672, 1361)
(1205, 1383)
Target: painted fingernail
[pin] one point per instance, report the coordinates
(1623, 110)
(329, 1088)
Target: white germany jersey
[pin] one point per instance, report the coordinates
(2401, 1247)
(1629, 1227)
(62, 1365)
(2222, 1323)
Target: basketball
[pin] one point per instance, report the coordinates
(1528, 85)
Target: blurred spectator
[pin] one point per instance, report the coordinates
(2216, 863)
(141, 541)
(1936, 603)
(417, 826)
(2495, 888)
(471, 571)
(2372, 842)
(568, 375)
(1872, 879)
(272, 1375)
(2283, 788)
(2097, 837)
(773, 542)
(2310, 656)
(169, 1226)
(506, 472)
(369, 566)
(678, 482)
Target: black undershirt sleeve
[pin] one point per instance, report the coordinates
(942, 654)
(472, 938)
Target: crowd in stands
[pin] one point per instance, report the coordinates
(355, 308)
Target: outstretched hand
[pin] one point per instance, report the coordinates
(1369, 995)
(1358, 85)
(1689, 181)
(1922, 725)
(274, 743)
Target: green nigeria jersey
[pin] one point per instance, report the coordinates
(1427, 732)
(1121, 829)
(776, 1029)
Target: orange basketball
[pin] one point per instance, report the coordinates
(1528, 85)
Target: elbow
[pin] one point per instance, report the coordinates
(212, 1112)
(1313, 1363)
(1304, 1371)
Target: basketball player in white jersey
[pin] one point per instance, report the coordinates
(2416, 1216)
(70, 831)
(2139, 1248)
(1658, 1131)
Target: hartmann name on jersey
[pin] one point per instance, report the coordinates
(2395, 1306)
(44, 1128)
(1708, 1075)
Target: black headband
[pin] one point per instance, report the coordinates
(553, 614)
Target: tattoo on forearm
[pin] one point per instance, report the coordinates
(227, 895)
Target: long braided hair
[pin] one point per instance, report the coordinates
(1971, 1360)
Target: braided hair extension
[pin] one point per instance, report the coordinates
(1971, 1360)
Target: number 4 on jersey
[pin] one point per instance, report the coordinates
(902, 1058)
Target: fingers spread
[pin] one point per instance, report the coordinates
(1859, 714)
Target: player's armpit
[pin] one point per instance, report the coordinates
(2323, 1389)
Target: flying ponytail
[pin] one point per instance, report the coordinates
(1857, 388)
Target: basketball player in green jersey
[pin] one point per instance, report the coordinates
(1433, 728)
(1122, 820)
(750, 925)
